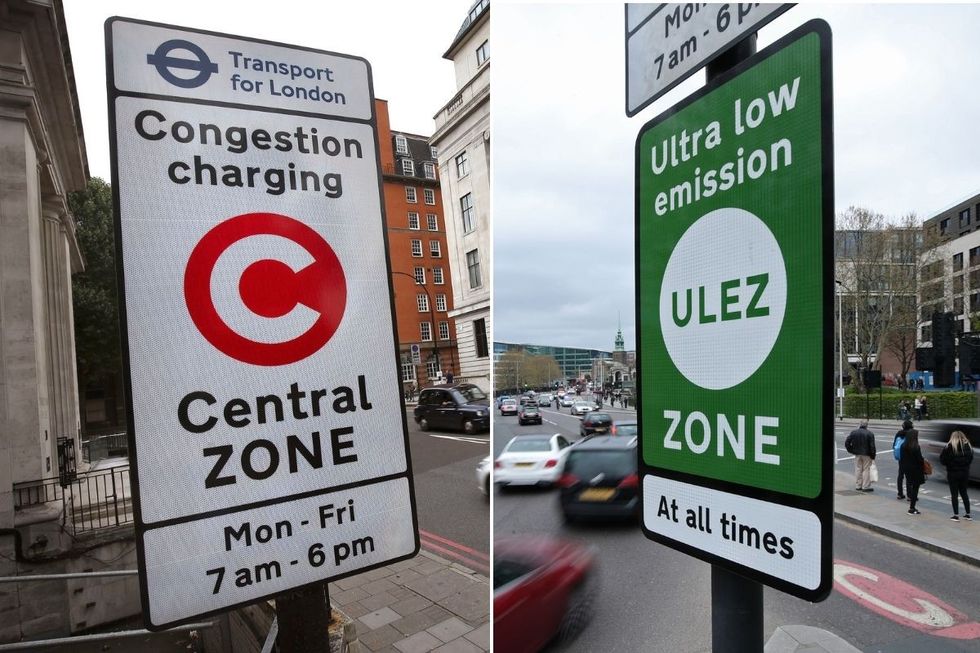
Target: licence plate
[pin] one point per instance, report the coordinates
(597, 494)
(601, 429)
(523, 464)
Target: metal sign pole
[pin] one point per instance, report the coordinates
(736, 601)
(304, 618)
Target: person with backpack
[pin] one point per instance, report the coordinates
(897, 443)
(911, 465)
(861, 443)
(956, 457)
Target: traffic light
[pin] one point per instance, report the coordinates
(944, 349)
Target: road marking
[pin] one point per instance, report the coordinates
(469, 557)
(902, 603)
(460, 438)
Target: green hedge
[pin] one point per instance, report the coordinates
(941, 404)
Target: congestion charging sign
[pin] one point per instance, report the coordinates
(270, 447)
(734, 222)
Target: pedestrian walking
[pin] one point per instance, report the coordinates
(918, 408)
(861, 443)
(897, 443)
(956, 457)
(925, 407)
(911, 464)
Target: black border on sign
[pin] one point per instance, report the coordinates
(823, 504)
(660, 93)
(141, 528)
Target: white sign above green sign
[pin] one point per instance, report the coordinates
(734, 223)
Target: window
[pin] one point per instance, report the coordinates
(480, 336)
(433, 221)
(420, 276)
(462, 165)
(425, 331)
(957, 262)
(975, 256)
(435, 250)
(432, 369)
(466, 209)
(408, 371)
(408, 167)
(926, 334)
(473, 265)
(423, 302)
(434, 152)
(958, 284)
(975, 302)
(437, 276)
(943, 226)
(401, 144)
(932, 270)
(417, 248)
(482, 52)
(965, 217)
(410, 196)
(430, 196)
(441, 303)
(958, 306)
(444, 331)
(429, 170)
(413, 221)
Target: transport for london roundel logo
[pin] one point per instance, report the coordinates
(260, 310)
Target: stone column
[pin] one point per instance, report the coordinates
(51, 233)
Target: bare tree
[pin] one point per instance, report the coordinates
(517, 369)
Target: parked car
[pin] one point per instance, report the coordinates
(934, 436)
(595, 423)
(533, 459)
(463, 406)
(599, 479)
(508, 407)
(625, 427)
(544, 589)
(581, 408)
(483, 476)
(529, 415)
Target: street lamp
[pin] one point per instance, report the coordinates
(840, 350)
(433, 331)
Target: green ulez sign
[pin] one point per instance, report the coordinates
(734, 255)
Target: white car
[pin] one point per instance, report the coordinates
(531, 460)
(483, 476)
(581, 408)
(568, 401)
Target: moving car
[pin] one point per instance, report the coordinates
(625, 427)
(599, 479)
(529, 415)
(567, 400)
(483, 476)
(545, 399)
(934, 436)
(501, 399)
(543, 589)
(533, 459)
(581, 408)
(595, 423)
(508, 407)
(463, 406)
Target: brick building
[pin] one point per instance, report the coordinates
(418, 253)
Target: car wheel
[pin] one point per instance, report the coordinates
(468, 427)
(423, 424)
(580, 604)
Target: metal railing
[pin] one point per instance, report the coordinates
(93, 500)
(104, 446)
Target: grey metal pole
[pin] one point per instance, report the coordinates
(736, 602)
(304, 617)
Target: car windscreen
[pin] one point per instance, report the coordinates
(530, 409)
(599, 418)
(506, 571)
(588, 464)
(471, 393)
(626, 429)
(525, 445)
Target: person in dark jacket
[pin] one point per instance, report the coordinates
(861, 443)
(900, 482)
(956, 457)
(910, 464)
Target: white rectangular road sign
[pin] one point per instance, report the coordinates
(258, 320)
(667, 43)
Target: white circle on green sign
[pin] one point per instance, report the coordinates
(723, 298)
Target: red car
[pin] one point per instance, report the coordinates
(543, 589)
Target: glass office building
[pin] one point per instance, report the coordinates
(574, 362)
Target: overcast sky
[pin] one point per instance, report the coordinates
(403, 41)
(906, 99)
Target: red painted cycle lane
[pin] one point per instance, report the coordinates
(901, 602)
